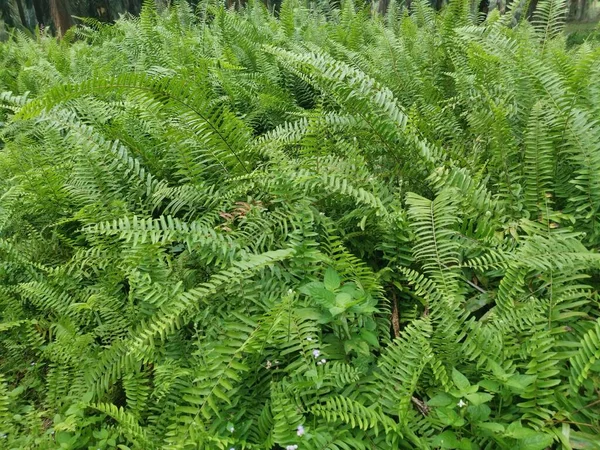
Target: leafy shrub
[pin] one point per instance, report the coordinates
(324, 230)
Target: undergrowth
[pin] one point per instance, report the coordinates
(322, 230)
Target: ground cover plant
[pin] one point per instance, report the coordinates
(320, 229)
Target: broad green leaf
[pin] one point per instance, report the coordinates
(323, 296)
(537, 441)
(581, 440)
(490, 385)
(492, 426)
(478, 413)
(478, 398)
(519, 382)
(336, 310)
(64, 438)
(343, 300)
(447, 439)
(448, 416)
(497, 369)
(441, 399)
(369, 337)
(517, 431)
(332, 279)
(460, 381)
(467, 444)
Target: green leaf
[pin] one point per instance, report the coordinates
(580, 440)
(308, 287)
(517, 431)
(336, 310)
(478, 413)
(323, 296)
(63, 438)
(492, 426)
(363, 308)
(497, 369)
(343, 300)
(369, 337)
(363, 222)
(520, 382)
(537, 441)
(357, 345)
(332, 279)
(466, 444)
(490, 385)
(318, 315)
(447, 439)
(478, 398)
(450, 417)
(87, 397)
(441, 399)
(312, 373)
(478, 302)
(308, 313)
(460, 381)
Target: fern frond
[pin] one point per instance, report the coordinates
(549, 19)
(128, 424)
(432, 222)
(586, 356)
(539, 162)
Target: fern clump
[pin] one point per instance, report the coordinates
(321, 229)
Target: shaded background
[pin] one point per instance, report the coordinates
(58, 13)
(27, 14)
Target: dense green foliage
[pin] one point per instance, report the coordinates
(326, 230)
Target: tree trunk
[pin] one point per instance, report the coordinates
(3, 33)
(11, 13)
(61, 17)
(42, 11)
(582, 10)
(383, 6)
(532, 6)
(21, 13)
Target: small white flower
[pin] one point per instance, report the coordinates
(461, 403)
(33, 364)
(290, 292)
(309, 339)
(269, 364)
(291, 447)
(323, 361)
(316, 353)
(230, 428)
(319, 363)
(300, 430)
